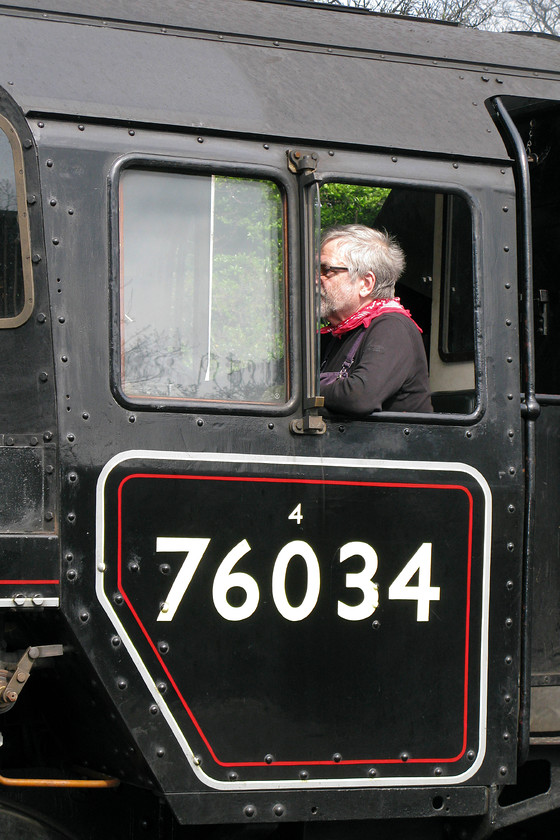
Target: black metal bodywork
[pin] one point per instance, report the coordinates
(316, 721)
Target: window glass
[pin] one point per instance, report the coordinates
(203, 291)
(12, 295)
(456, 323)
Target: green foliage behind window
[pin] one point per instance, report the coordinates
(349, 204)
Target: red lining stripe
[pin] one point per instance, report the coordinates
(405, 485)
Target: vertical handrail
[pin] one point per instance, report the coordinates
(531, 409)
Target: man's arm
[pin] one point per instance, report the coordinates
(385, 360)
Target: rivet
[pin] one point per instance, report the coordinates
(404, 756)
(406, 432)
(394, 159)
(509, 360)
(200, 422)
(506, 248)
(56, 241)
(52, 202)
(41, 124)
(376, 624)
(132, 418)
(131, 132)
(505, 736)
(249, 811)
(437, 771)
(455, 166)
(154, 709)
(84, 616)
(342, 429)
(70, 437)
(70, 211)
(71, 517)
(133, 567)
(85, 415)
(508, 659)
(271, 426)
(512, 470)
(372, 772)
(71, 574)
(499, 81)
(81, 127)
(511, 508)
(163, 647)
(303, 774)
(279, 810)
(61, 319)
(115, 641)
(510, 546)
(49, 163)
(200, 139)
(233, 776)
(508, 322)
(510, 433)
(197, 760)
(276, 43)
(269, 758)
(162, 687)
(122, 684)
(69, 557)
(485, 78)
(503, 771)
(509, 585)
(331, 153)
(47, 436)
(505, 208)
(509, 622)
(507, 698)
(118, 598)
(337, 758)
(470, 755)
(510, 396)
(266, 146)
(49, 516)
(165, 568)
(468, 434)
(160, 752)
(507, 285)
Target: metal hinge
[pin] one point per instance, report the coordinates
(302, 162)
(311, 423)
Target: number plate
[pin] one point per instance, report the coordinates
(310, 619)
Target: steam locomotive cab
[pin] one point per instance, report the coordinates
(220, 602)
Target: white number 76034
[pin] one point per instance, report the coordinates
(226, 578)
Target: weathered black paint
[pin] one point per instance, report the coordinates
(233, 86)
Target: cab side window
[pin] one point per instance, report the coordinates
(435, 233)
(16, 294)
(202, 304)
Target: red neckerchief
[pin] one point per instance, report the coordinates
(367, 313)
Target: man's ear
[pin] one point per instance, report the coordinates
(367, 284)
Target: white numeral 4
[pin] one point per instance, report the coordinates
(401, 590)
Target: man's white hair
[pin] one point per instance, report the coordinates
(365, 249)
